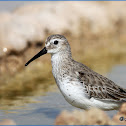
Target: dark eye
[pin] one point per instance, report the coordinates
(55, 42)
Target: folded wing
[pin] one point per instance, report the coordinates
(100, 87)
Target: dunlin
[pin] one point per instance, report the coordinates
(80, 86)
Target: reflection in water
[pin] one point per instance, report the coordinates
(41, 113)
(19, 89)
(48, 112)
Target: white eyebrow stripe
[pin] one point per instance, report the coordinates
(55, 39)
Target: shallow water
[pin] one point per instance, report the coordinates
(39, 113)
(49, 106)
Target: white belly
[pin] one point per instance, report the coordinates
(75, 95)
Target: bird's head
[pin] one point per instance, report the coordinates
(53, 44)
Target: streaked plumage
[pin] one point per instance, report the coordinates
(81, 86)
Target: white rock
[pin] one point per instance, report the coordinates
(29, 23)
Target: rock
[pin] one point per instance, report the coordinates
(84, 118)
(100, 119)
(19, 30)
(67, 118)
(123, 109)
(31, 23)
(120, 117)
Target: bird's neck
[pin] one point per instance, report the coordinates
(59, 61)
(61, 57)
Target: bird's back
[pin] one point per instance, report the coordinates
(98, 86)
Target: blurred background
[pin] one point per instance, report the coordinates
(96, 32)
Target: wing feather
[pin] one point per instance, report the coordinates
(100, 87)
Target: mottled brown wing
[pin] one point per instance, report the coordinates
(100, 87)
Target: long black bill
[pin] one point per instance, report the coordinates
(42, 52)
